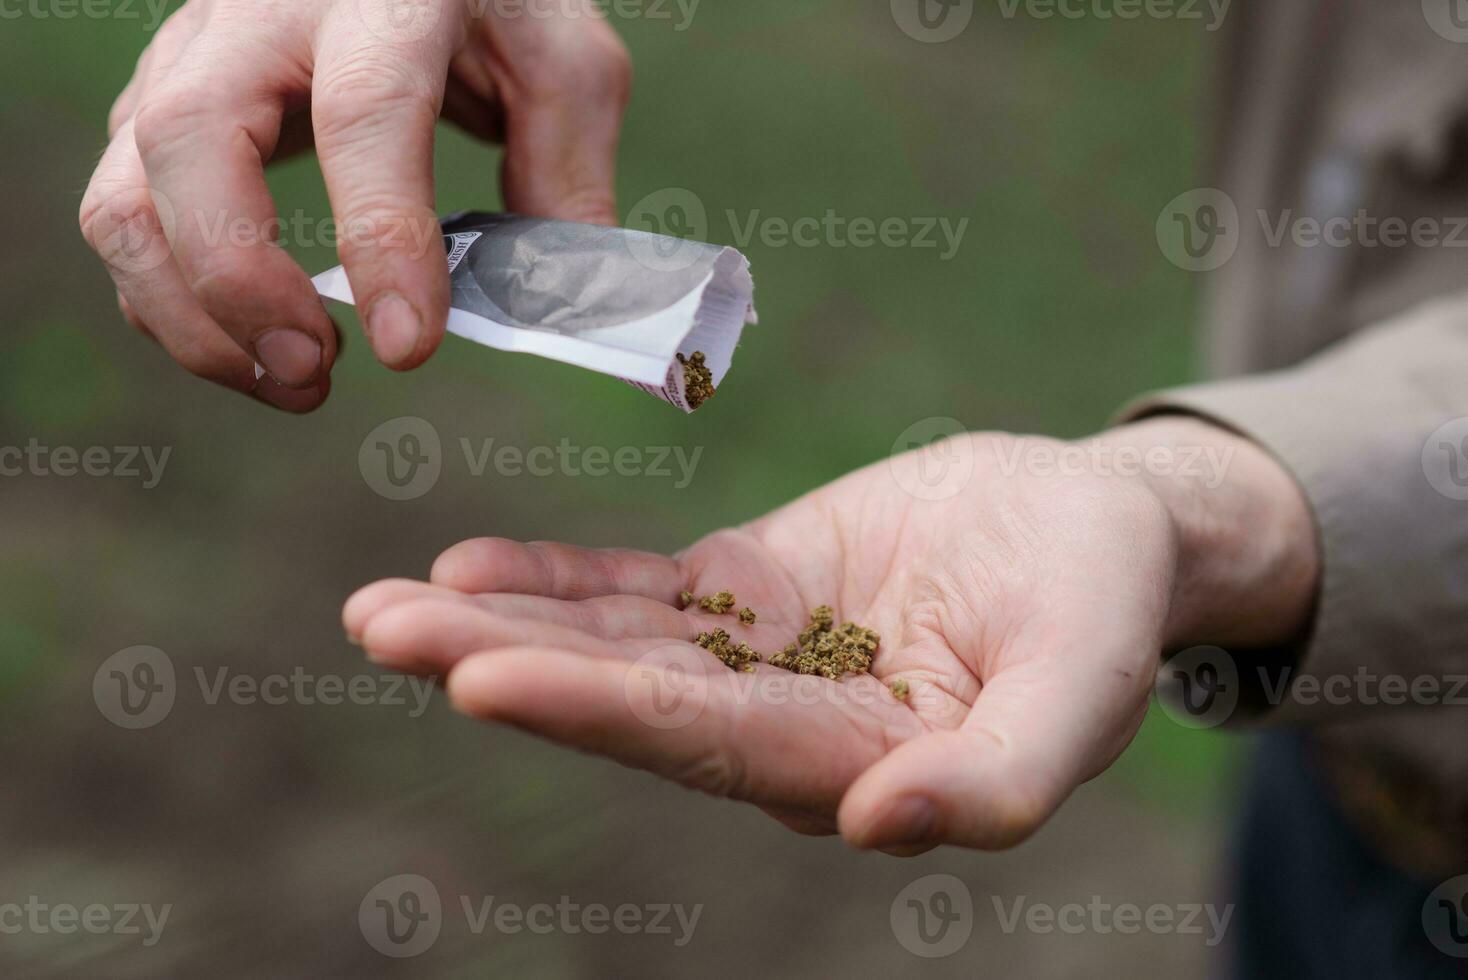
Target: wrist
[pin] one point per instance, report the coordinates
(1247, 559)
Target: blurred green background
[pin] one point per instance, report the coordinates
(264, 826)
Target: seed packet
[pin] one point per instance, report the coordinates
(663, 314)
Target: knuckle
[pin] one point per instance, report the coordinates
(98, 209)
(609, 66)
(370, 94)
(224, 287)
(595, 65)
(118, 224)
(170, 116)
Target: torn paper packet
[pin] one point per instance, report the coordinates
(663, 314)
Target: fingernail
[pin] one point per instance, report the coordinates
(909, 820)
(290, 357)
(394, 327)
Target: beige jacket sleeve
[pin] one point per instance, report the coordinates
(1375, 429)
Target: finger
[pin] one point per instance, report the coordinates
(375, 100)
(131, 315)
(127, 100)
(120, 221)
(372, 599)
(204, 133)
(560, 571)
(804, 824)
(1036, 731)
(686, 717)
(157, 59)
(471, 100)
(609, 617)
(565, 83)
(432, 635)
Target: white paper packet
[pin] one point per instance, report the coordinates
(613, 300)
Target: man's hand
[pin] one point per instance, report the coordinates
(1026, 612)
(179, 210)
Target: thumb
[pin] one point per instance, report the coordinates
(1036, 731)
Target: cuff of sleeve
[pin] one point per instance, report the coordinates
(1352, 428)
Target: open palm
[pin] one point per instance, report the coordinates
(1024, 613)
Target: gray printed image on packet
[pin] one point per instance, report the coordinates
(663, 314)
